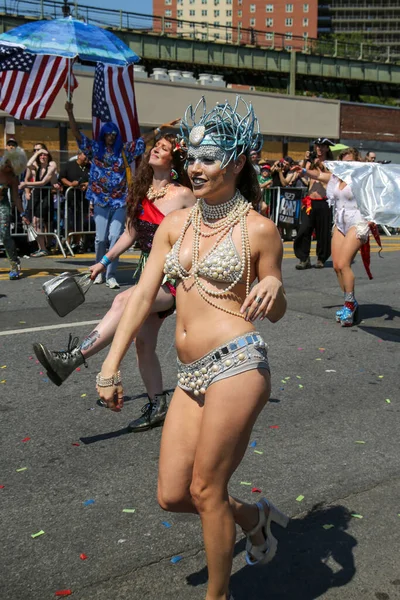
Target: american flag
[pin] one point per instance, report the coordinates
(114, 100)
(29, 83)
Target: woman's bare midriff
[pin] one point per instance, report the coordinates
(203, 327)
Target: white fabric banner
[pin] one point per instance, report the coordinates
(375, 187)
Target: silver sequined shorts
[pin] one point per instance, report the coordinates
(241, 354)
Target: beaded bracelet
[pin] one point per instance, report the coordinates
(108, 381)
(105, 261)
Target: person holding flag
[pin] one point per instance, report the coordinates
(108, 183)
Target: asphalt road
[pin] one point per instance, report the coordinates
(327, 452)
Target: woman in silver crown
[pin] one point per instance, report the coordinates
(215, 250)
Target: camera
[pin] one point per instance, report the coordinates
(313, 154)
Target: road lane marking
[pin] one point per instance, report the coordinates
(49, 327)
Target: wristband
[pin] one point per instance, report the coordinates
(108, 381)
(105, 261)
(304, 171)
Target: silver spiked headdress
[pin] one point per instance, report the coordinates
(223, 127)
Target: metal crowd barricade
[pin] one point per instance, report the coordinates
(45, 201)
(78, 220)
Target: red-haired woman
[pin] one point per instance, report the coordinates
(160, 187)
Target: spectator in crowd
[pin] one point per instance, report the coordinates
(44, 171)
(370, 156)
(11, 144)
(254, 158)
(265, 181)
(287, 178)
(33, 162)
(316, 212)
(75, 178)
(108, 184)
(12, 164)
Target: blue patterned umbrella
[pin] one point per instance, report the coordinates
(72, 38)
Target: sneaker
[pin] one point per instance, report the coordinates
(39, 253)
(15, 274)
(99, 279)
(339, 314)
(153, 414)
(304, 264)
(61, 363)
(112, 283)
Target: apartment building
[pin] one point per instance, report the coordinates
(247, 21)
(378, 21)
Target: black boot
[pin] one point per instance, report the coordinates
(153, 415)
(61, 363)
(304, 264)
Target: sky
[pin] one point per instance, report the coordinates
(139, 6)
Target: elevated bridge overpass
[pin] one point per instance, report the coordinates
(244, 57)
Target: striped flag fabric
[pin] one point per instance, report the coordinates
(114, 100)
(29, 83)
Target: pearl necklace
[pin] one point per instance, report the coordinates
(237, 215)
(217, 211)
(153, 194)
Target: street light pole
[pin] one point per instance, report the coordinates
(66, 9)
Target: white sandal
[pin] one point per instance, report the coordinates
(263, 554)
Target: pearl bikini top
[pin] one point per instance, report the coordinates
(222, 264)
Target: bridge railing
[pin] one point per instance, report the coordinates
(172, 27)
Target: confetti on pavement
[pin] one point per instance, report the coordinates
(21, 469)
(357, 516)
(166, 524)
(87, 502)
(300, 498)
(258, 452)
(176, 559)
(82, 556)
(35, 535)
(388, 401)
(256, 490)
(83, 395)
(129, 510)
(274, 426)
(26, 439)
(63, 592)
(253, 445)
(328, 526)
(245, 483)
(359, 442)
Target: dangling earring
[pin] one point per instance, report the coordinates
(174, 175)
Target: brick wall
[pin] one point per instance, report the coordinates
(375, 123)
